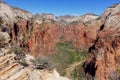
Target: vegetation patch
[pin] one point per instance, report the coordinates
(65, 57)
(118, 69)
(20, 55)
(1, 21)
(2, 44)
(73, 54)
(41, 63)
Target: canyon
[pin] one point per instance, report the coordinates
(90, 40)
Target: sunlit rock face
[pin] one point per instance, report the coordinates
(111, 10)
(43, 39)
(105, 56)
(10, 69)
(103, 62)
(112, 16)
(88, 17)
(11, 14)
(70, 19)
(43, 18)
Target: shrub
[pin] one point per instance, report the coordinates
(19, 17)
(74, 22)
(20, 55)
(17, 51)
(41, 63)
(52, 21)
(118, 69)
(1, 21)
(2, 44)
(23, 62)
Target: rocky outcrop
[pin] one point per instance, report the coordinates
(112, 10)
(88, 17)
(4, 38)
(103, 62)
(112, 16)
(19, 30)
(19, 34)
(10, 69)
(105, 56)
(113, 21)
(43, 18)
(12, 14)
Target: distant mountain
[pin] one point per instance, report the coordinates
(67, 19)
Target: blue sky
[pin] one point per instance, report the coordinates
(63, 7)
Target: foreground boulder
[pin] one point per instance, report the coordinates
(11, 69)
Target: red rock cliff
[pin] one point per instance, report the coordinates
(106, 51)
(41, 39)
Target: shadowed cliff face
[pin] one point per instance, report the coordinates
(19, 34)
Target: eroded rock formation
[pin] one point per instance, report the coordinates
(12, 14)
(10, 69)
(43, 39)
(104, 59)
(105, 56)
(41, 36)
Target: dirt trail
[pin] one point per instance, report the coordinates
(70, 69)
